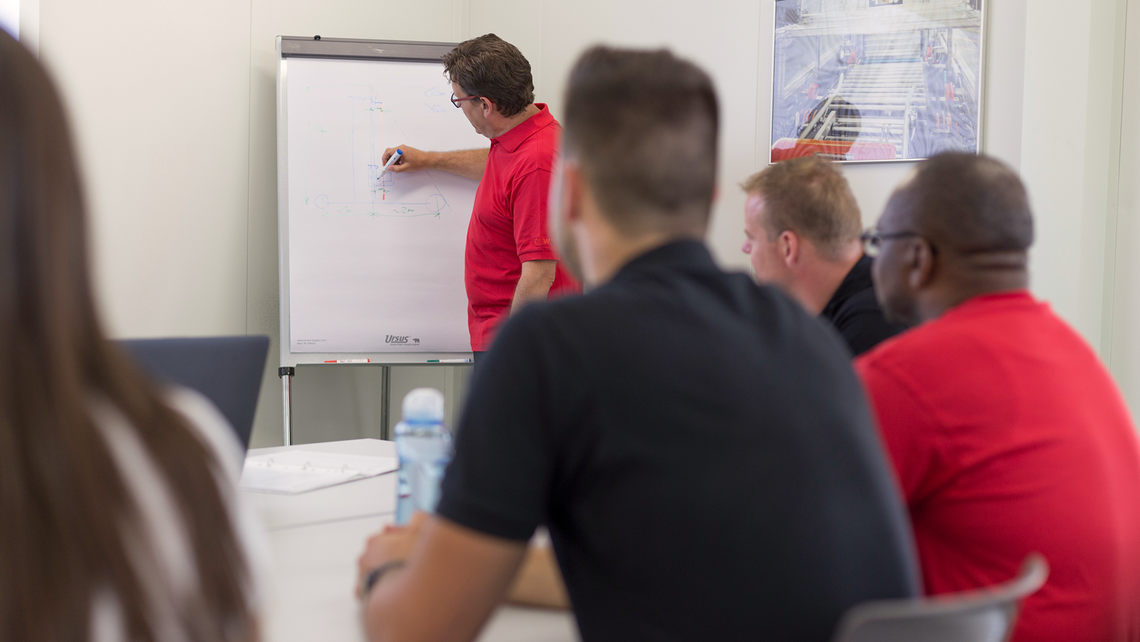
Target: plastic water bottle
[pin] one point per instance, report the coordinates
(424, 446)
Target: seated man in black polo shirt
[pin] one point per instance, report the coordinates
(803, 224)
(697, 445)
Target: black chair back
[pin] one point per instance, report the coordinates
(225, 370)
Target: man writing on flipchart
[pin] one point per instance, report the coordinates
(509, 260)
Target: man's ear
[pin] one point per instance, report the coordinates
(922, 264)
(567, 186)
(573, 191)
(788, 244)
(487, 106)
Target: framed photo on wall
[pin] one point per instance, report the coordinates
(877, 80)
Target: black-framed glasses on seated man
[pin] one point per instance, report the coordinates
(873, 240)
(455, 100)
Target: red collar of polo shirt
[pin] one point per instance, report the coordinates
(1006, 298)
(524, 130)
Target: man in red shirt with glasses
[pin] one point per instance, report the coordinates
(1007, 433)
(509, 260)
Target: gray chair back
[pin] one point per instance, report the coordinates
(986, 615)
(225, 370)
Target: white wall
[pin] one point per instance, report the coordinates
(30, 24)
(1072, 83)
(163, 126)
(10, 17)
(175, 121)
(1124, 309)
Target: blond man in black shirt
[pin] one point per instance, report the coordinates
(802, 226)
(697, 445)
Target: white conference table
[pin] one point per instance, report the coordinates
(315, 539)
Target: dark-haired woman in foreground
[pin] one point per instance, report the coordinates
(117, 500)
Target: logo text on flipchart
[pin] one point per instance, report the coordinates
(401, 339)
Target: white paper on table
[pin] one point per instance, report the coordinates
(299, 471)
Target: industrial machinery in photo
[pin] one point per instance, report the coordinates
(876, 80)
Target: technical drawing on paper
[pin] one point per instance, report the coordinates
(353, 130)
(373, 256)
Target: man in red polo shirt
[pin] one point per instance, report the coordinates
(509, 260)
(1007, 433)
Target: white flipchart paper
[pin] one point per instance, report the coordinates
(375, 260)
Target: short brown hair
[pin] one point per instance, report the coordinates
(493, 68)
(810, 197)
(642, 125)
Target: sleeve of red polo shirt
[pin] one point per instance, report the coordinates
(529, 202)
(912, 436)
